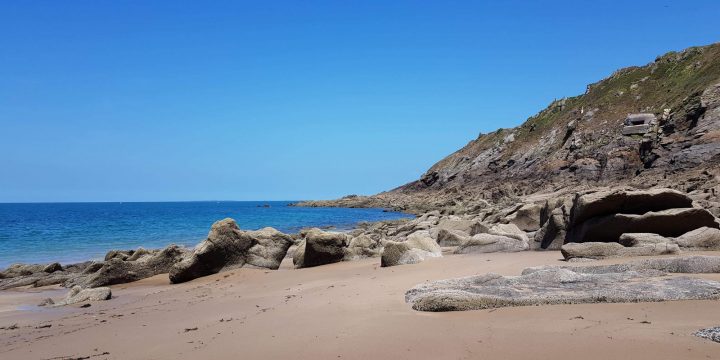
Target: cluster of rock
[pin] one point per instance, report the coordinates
(642, 281)
(587, 225)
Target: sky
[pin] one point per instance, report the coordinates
(287, 100)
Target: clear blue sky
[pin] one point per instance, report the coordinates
(179, 100)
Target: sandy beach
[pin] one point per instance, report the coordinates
(348, 310)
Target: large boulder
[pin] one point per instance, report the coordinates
(140, 264)
(227, 247)
(417, 247)
(602, 203)
(601, 250)
(321, 248)
(704, 238)
(487, 243)
(671, 222)
(671, 264)
(556, 286)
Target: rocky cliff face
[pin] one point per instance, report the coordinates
(578, 142)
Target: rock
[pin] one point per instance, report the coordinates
(46, 302)
(321, 248)
(508, 230)
(604, 203)
(362, 246)
(78, 294)
(447, 237)
(456, 224)
(710, 334)
(676, 264)
(118, 271)
(418, 246)
(16, 270)
(487, 243)
(552, 234)
(527, 217)
(672, 222)
(637, 239)
(600, 250)
(120, 254)
(51, 268)
(556, 286)
(703, 238)
(227, 247)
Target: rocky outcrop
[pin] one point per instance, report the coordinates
(599, 250)
(671, 222)
(556, 286)
(227, 247)
(603, 203)
(417, 247)
(78, 295)
(451, 237)
(487, 243)
(138, 265)
(321, 248)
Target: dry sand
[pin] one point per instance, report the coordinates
(352, 310)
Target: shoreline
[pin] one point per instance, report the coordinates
(348, 306)
(190, 244)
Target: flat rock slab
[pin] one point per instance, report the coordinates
(710, 334)
(557, 286)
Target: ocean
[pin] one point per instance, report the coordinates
(74, 232)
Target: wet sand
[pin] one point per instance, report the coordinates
(351, 310)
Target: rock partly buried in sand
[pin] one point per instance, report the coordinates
(487, 243)
(556, 286)
(599, 250)
(710, 334)
(697, 264)
(672, 222)
(704, 238)
(139, 265)
(78, 294)
(227, 247)
(320, 248)
(418, 246)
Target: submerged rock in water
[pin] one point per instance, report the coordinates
(556, 285)
(227, 247)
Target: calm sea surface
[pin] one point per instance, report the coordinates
(72, 232)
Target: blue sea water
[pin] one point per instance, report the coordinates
(73, 232)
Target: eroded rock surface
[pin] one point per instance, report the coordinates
(556, 286)
(78, 294)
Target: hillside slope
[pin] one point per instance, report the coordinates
(578, 142)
